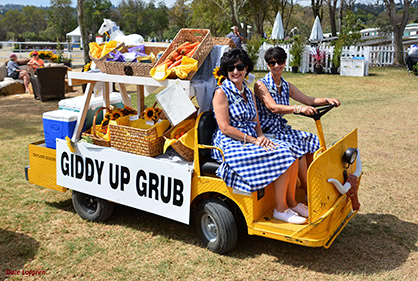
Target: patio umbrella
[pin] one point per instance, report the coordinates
(316, 33)
(278, 30)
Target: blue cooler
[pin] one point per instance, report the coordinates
(58, 124)
(77, 103)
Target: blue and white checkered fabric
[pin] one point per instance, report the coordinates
(276, 124)
(248, 167)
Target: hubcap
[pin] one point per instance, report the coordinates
(209, 228)
(89, 204)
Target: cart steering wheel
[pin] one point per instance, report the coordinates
(319, 111)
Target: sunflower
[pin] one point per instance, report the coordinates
(219, 78)
(149, 114)
(115, 115)
(127, 110)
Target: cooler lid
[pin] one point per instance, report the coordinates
(61, 115)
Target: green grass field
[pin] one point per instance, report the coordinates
(40, 231)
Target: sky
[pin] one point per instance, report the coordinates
(168, 3)
(45, 3)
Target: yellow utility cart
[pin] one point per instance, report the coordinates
(100, 177)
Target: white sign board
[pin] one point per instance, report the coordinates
(152, 185)
(175, 103)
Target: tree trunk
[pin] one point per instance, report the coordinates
(317, 8)
(398, 27)
(83, 30)
(332, 6)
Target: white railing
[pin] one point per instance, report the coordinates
(307, 59)
(22, 50)
(374, 56)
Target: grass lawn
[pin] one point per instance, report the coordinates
(40, 231)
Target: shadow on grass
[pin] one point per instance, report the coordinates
(16, 250)
(370, 243)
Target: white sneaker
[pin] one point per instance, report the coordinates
(301, 209)
(288, 216)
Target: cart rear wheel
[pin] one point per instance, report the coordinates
(216, 226)
(92, 208)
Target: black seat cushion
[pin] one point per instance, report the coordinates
(206, 127)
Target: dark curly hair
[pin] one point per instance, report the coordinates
(232, 57)
(277, 53)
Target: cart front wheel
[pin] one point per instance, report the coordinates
(216, 226)
(92, 208)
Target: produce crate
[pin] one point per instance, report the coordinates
(133, 68)
(92, 132)
(135, 140)
(223, 41)
(178, 146)
(191, 35)
(100, 63)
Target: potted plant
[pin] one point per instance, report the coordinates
(336, 55)
(296, 51)
(318, 56)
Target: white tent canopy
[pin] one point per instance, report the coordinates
(316, 33)
(278, 30)
(75, 35)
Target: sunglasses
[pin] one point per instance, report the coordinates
(34, 55)
(274, 62)
(239, 67)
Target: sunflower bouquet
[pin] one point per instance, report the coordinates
(113, 114)
(218, 77)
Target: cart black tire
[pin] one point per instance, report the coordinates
(216, 225)
(92, 208)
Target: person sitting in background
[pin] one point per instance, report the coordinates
(14, 71)
(252, 161)
(235, 36)
(35, 62)
(272, 97)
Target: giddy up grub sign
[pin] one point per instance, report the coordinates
(144, 183)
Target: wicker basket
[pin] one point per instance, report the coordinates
(92, 132)
(100, 63)
(223, 41)
(181, 149)
(133, 68)
(191, 35)
(137, 141)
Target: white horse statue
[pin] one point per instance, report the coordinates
(116, 34)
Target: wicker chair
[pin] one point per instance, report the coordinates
(49, 83)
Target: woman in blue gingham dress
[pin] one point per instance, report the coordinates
(252, 161)
(272, 98)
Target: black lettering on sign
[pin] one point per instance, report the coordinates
(65, 169)
(113, 182)
(89, 169)
(72, 165)
(141, 189)
(99, 168)
(166, 198)
(178, 192)
(116, 181)
(79, 167)
(153, 185)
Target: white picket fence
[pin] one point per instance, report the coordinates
(373, 55)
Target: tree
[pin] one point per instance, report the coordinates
(398, 24)
(209, 15)
(60, 18)
(95, 11)
(257, 8)
(332, 8)
(317, 8)
(233, 9)
(83, 30)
